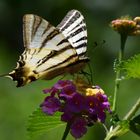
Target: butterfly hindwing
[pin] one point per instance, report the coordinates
(73, 27)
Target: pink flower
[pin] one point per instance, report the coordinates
(126, 26)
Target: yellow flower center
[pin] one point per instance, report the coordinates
(92, 91)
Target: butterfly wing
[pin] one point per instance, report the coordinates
(51, 51)
(73, 27)
(46, 46)
(35, 31)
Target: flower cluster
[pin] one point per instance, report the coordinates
(127, 26)
(78, 109)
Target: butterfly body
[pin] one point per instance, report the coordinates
(51, 51)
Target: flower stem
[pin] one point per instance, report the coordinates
(118, 72)
(119, 130)
(67, 129)
(133, 110)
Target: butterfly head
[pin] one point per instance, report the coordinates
(23, 76)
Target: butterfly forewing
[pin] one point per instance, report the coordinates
(35, 30)
(51, 51)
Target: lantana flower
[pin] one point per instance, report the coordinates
(126, 25)
(81, 104)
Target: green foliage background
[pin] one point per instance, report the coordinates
(16, 104)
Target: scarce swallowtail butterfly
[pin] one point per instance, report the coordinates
(51, 51)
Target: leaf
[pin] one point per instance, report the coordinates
(40, 122)
(135, 125)
(131, 67)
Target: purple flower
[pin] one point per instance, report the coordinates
(101, 116)
(103, 100)
(106, 106)
(97, 105)
(50, 105)
(67, 116)
(77, 104)
(68, 92)
(52, 91)
(101, 97)
(78, 109)
(78, 127)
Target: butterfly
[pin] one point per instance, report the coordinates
(51, 51)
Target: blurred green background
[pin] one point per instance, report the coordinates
(16, 104)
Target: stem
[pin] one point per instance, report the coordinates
(118, 73)
(118, 130)
(105, 128)
(67, 129)
(133, 110)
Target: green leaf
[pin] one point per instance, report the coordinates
(40, 122)
(135, 125)
(131, 67)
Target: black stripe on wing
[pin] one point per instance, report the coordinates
(62, 41)
(63, 62)
(36, 24)
(47, 28)
(52, 54)
(37, 31)
(81, 45)
(81, 39)
(77, 32)
(73, 27)
(70, 18)
(49, 37)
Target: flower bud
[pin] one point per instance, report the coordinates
(127, 26)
